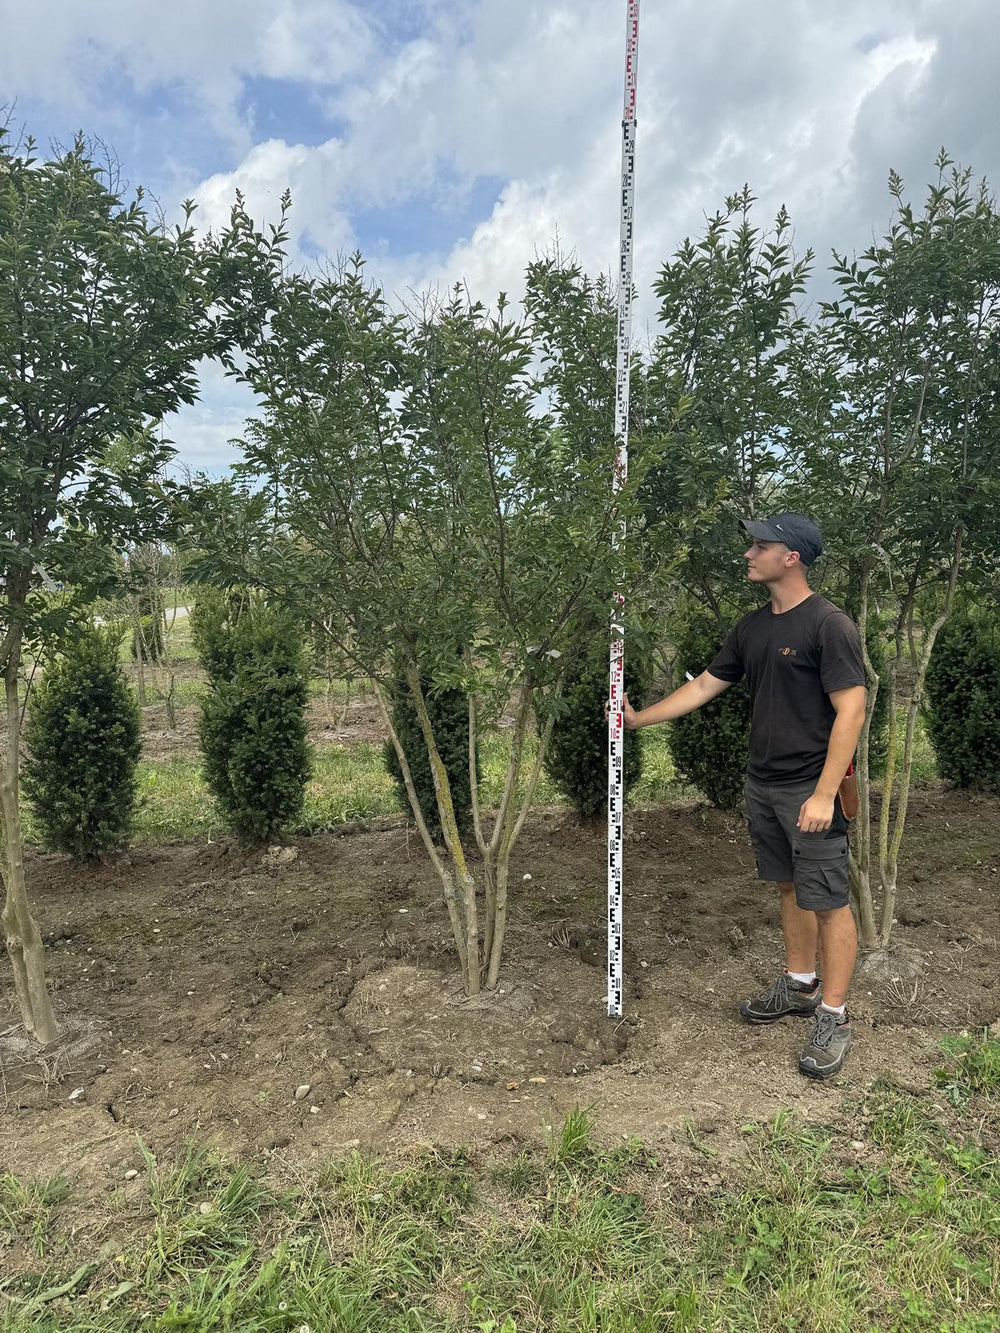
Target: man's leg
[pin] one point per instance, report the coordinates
(838, 942)
(773, 851)
(800, 930)
(827, 1048)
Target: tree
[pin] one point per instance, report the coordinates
(907, 464)
(104, 313)
(728, 339)
(420, 500)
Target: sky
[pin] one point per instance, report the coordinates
(454, 140)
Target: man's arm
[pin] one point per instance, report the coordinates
(816, 814)
(691, 695)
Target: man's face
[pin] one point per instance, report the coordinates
(767, 562)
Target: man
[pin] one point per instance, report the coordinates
(802, 660)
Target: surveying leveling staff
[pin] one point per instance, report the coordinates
(802, 660)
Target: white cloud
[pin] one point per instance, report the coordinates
(69, 53)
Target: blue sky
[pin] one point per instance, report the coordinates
(454, 139)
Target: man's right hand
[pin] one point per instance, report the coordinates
(629, 714)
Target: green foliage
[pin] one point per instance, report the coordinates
(729, 340)
(577, 757)
(83, 740)
(973, 1067)
(448, 710)
(212, 618)
(709, 746)
(252, 727)
(120, 315)
(963, 699)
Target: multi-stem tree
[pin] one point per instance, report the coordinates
(424, 500)
(907, 464)
(104, 314)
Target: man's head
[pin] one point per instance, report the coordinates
(783, 547)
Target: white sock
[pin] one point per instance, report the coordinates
(839, 1010)
(807, 978)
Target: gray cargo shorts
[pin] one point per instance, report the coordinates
(816, 863)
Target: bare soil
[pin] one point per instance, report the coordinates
(199, 986)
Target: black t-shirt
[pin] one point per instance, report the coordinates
(792, 662)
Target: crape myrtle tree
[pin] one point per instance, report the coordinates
(907, 470)
(423, 500)
(574, 324)
(728, 342)
(104, 313)
(728, 329)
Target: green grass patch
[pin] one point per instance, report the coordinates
(25, 1208)
(973, 1067)
(900, 1233)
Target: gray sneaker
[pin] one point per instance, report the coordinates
(829, 1044)
(784, 997)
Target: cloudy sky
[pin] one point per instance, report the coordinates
(455, 139)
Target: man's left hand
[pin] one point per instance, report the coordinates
(816, 814)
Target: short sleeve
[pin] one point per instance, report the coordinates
(728, 664)
(841, 663)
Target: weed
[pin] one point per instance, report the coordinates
(973, 1069)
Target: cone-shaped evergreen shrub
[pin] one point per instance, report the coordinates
(963, 699)
(577, 758)
(709, 746)
(82, 735)
(448, 710)
(212, 618)
(252, 727)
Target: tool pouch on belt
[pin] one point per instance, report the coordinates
(848, 792)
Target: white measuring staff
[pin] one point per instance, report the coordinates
(616, 731)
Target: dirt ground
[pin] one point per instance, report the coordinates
(302, 1001)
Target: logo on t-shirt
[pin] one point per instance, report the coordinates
(788, 652)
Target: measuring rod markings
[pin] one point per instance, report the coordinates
(616, 731)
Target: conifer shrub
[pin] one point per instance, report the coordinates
(212, 617)
(709, 746)
(448, 710)
(577, 758)
(963, 699)
(255, 758)
(82, 735)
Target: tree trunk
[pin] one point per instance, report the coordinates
(861, 850)
(444, 874)
(24, 943)
(891, 853)
(864, 904)
(449, 829)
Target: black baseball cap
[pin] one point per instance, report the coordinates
(797, 531)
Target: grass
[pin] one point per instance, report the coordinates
(897, 1230)
(973, 1066)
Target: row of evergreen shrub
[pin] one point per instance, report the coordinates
(83, 733)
